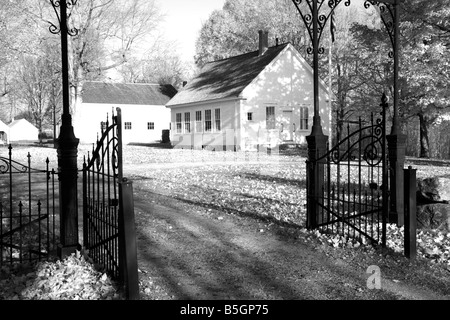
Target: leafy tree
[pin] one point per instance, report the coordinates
(348, 64)
(424, 63)
(234, 29)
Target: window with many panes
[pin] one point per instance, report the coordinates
(304, 118)
(150, 126)
(198, 121)
(250, 116)
(127, 125)
(187, 122)
(178, 122)
(270, 118)
(217, 126)
(208, 124)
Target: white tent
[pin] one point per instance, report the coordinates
(22, 130)
(4, 133)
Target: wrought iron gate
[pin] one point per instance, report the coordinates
(108, 213)
(27, 211)
(352, 197)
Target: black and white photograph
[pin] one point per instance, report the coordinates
(224, 158)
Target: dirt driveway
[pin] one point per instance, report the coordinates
(186, 251)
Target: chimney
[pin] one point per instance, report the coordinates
(263, 42)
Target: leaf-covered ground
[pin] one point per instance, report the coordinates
(267, 187)
(262, 186)
(73, 278)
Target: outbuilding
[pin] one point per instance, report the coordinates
(4, 133)
(144, 114)
(22, 130)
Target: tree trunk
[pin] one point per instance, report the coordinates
(423, 134)
(340, 106)
(339, 122)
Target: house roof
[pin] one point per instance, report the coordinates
(23, 121)
(127, 93)
(225, 78)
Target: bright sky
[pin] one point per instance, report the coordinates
(183, 20)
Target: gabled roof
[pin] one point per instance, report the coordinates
(127, 93)
(22, 121)
(225, 78)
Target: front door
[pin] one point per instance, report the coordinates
(286, 125)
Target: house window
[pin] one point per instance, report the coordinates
(150, 125)
(250, 116)
(178, 122)
(198, 121)
(127, 125)
(217, 119)
(270, 118)
(304, 118)
(187, 122)
(208, 126)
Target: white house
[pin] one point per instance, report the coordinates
(4, 133)
(144, 114)
(264, 97)
(22, 130)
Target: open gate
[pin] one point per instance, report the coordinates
(352, 197)
(27, 211)
(108, 210)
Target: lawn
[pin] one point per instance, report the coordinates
(267, 187)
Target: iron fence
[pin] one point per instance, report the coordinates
(27, 211)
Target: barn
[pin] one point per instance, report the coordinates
(144, 114)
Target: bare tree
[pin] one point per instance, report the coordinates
(16, 39)
(162, 64)
(40, 85)
(108, 32)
